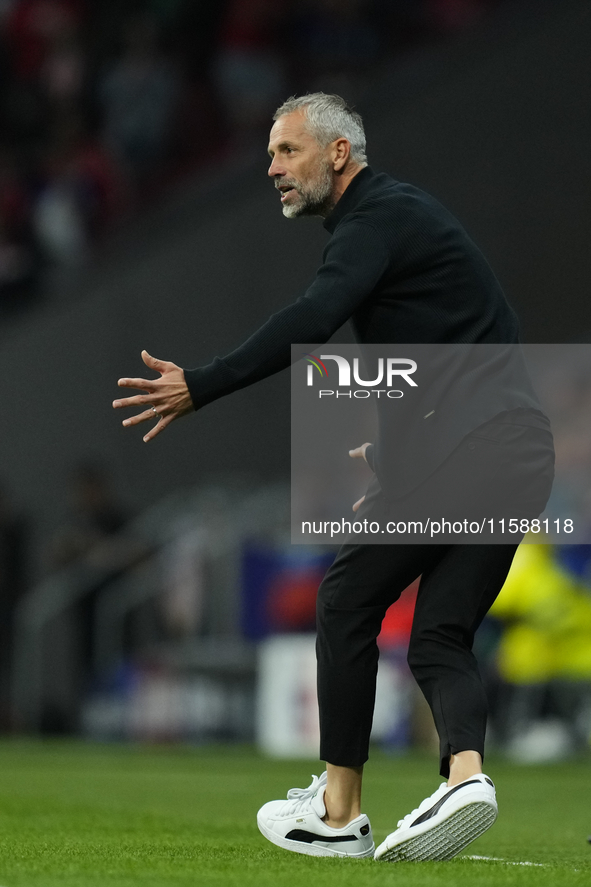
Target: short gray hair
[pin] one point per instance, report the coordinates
(329, 117)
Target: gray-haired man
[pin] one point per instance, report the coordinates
(401, 269)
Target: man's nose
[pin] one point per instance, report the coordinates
(275, 169)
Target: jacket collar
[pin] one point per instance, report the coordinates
(353, 194)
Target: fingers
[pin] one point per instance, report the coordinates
(137, 400)
(164, 421)
(153, 362)
(142, 384)
(359, 452)
(167, 398)
(358, 504)
(141, 417)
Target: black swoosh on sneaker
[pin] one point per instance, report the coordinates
(298, 834)
(437, 807)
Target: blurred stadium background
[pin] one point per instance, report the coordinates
(151, 593)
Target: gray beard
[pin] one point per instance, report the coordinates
(312, 200)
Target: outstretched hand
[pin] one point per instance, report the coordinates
(359, 453)
(166, 398)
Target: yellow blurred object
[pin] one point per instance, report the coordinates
(548, 620)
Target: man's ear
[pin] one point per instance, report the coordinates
(341, 151)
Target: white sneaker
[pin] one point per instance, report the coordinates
(296, 824)
(443, 824)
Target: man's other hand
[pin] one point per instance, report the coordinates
(166, 398)
(359, 453)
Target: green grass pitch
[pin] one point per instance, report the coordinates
(76, 814)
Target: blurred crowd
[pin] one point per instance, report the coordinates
(104, 103)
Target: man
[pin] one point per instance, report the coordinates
(402, 269)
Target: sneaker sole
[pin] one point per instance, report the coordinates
(309, 849)
(447, 839)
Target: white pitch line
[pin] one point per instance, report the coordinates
(540, 865)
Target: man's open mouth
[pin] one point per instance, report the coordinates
(285, 190)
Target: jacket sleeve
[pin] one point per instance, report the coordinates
(369, 457)
(354, 261)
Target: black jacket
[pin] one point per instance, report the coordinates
(402, 269)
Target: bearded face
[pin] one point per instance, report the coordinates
(301, 168)
(310, 196)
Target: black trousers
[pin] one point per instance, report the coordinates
(459, 583)
(458, 586)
